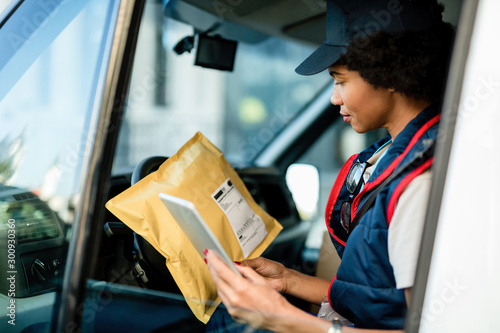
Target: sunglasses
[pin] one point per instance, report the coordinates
(353, 184)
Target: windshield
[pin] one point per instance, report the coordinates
(241, 110)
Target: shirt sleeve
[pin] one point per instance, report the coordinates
(405, 230)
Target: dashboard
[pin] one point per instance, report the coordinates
(34, 237)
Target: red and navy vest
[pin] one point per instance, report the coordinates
(364, 289)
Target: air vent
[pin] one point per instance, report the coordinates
(24, 196)
(36, 222)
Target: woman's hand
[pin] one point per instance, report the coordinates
(284, 280)
(274, 272)
(251, 298)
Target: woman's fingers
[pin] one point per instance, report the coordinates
(229, 284)
(228, 276)
(249, 298)
(219, 267)
(254, 263)
(274, 272)
(252, 275)
(265, 267)
(222, 275)
(231, 288)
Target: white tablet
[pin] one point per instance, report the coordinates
(189, 219)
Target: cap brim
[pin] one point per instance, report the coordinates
(321, 59)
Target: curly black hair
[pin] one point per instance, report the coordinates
(414, 64)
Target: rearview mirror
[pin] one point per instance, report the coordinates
(303, 182)
(215, 52)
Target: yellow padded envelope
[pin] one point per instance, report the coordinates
(198, 172)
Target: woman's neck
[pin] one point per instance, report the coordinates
(405, 110)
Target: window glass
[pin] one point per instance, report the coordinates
(44, 116)
(5, 7)
(240, 111)
(44, 120)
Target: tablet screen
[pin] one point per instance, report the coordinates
(191, 222)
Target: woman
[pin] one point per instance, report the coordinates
(391, 76)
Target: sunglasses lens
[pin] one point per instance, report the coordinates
(345, 215)
(355, 176)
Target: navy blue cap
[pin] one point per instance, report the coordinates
(350, 19)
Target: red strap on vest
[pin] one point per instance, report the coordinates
(402, 185)
(334, 194)
(368, 186)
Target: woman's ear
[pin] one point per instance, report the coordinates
(391, 90)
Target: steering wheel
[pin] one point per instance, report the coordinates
(151, 261)
(145, 167)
